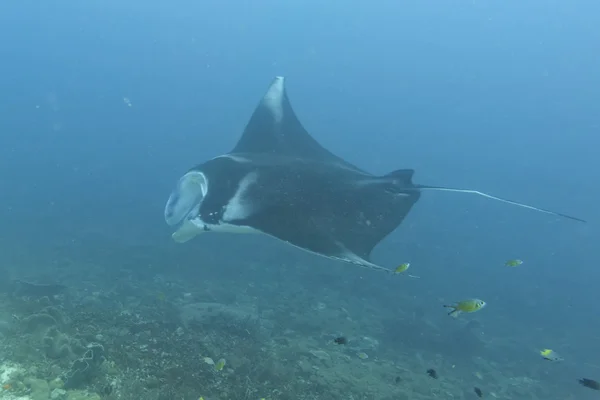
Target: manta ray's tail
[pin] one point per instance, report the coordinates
(476, 192)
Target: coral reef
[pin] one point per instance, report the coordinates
(85, 368)
(158, 338)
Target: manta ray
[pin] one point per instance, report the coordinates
(278, 180)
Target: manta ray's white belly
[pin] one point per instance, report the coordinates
(192, 228)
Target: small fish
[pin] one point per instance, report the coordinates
(209, 361)
(398, 379)
(340, 340)
(432, 373)
(478, 392)
(465, 306)
(401, 268)
(513, 263)
(478, 375)
(590, 383)
(161, 296)
(550, 355)
(362, 356)
(220, 365)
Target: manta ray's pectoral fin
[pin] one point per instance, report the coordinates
(489, 196)
(274, 128)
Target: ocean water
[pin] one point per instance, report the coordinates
(105, 104)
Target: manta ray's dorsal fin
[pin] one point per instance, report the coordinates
(274, 128)
(489, 196)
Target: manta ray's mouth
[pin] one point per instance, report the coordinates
(185, 200)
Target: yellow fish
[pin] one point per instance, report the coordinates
(220, 364)
(401, 268)
(465, 306)
(513, 263)
(550, 355)
(362, 356)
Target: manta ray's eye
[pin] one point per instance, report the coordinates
(186, 197)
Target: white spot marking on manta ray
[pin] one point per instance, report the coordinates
(238, 207)
(233, 157)
(273, 99)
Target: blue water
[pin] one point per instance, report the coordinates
(499, 96)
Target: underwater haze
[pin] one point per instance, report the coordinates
(106, 104)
